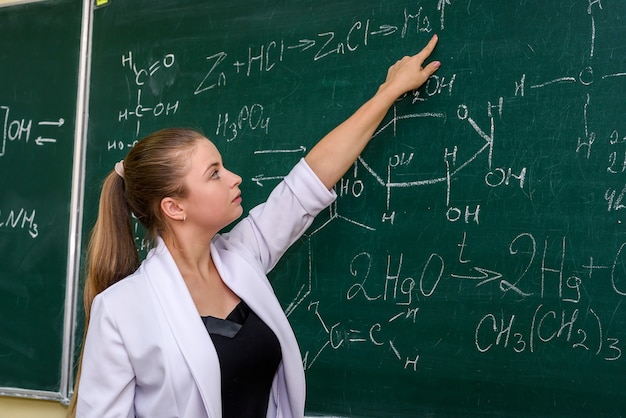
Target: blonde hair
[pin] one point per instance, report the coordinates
(153, 169)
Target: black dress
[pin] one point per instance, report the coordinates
(249, 355)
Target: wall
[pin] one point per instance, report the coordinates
(30, 408)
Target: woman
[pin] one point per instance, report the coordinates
(196, 330)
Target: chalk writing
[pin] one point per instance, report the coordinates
(22, 219)
(474, 181)
(546, 326)
(22, 130)
(249, 117)
(265, 57)
(158, 74)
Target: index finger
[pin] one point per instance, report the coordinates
(428, 49)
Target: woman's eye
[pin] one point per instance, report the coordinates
(215, 175)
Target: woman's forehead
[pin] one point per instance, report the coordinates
(206, 151)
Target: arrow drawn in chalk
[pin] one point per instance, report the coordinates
(57, 123)
(42, 141)
(261, 178)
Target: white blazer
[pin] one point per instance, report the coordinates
(147, 352)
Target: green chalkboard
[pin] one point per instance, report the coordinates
(474, 262)
(39, 57)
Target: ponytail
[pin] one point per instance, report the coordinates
(153, 169)
(111, 254)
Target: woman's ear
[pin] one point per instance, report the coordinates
(172, 209)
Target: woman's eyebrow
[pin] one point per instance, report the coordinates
(215, 164)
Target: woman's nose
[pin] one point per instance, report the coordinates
(236, 178)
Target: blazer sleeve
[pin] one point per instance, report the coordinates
(107, 383)
(272, 227)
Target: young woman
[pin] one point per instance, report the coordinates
(196, 330)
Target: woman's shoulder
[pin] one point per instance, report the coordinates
(127, 288)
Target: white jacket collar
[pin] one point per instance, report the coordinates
(186, 325)
(194, 342)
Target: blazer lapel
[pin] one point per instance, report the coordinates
(248, 284)
(254, 288)
(186, 326)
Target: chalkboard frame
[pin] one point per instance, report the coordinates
(66, 364)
